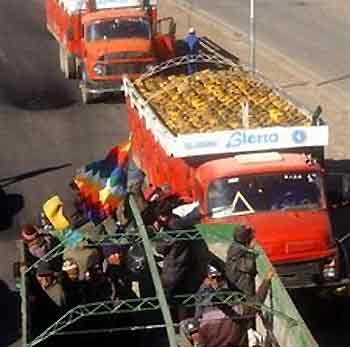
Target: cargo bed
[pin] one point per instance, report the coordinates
(239, 136)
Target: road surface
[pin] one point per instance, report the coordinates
(43, 126)
(314, 33)
(45, 130)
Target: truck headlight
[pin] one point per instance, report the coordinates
(100, 69)
(330, 271)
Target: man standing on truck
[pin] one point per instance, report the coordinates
(240, 267)
(192, 49)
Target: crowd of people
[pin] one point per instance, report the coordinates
(87, 273)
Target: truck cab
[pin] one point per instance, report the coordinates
(100, 41)
(118, 42)
(282, 197)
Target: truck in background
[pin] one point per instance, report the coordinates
(100, 40)
(263, 176)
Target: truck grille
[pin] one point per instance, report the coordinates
(125, 68)
(307, 274)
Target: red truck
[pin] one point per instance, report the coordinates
(263, 176)
(100, 40)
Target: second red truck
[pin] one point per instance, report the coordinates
(100, 40)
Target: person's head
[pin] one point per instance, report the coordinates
(163, 209)
(244, 234)
(191, 31)
(44, 275)
(30, 235)
(112, 253)
(71, 268)
(215, 278)
(163, 213)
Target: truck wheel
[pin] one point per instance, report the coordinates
(86, 96)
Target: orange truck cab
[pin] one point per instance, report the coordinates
(262, 177)
(282, 196)
(101, 40)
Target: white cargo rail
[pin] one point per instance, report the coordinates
(73, 6)
(228, 141)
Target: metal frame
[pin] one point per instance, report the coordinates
(132, 305)
(201, 58)
(121, 238)
(144, 304)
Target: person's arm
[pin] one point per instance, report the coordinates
(264, 286)
(260, 296)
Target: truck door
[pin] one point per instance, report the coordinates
(164, 38)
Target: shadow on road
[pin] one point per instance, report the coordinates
(10, 308)
(7, 181)
(51, 97)
(10, 205)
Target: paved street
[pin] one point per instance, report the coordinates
(45, 131)
(314, 33)
(42, 125)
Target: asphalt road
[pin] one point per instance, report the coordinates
(45, 131)
(43, 125)
(315, 34)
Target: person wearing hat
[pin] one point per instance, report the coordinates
(74, 288)
(84, 256)
(213, 283)
(115, 269)
(37, 242)
(49, 283)
(227, 325)
(192, 49)
(209, 312)
(71, 269)
(240, 266)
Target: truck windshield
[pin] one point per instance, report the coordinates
(261, 193)
(118, 29)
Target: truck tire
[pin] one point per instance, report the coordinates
(86, 96)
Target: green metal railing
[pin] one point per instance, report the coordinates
(212, 234)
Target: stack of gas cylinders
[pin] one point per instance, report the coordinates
(101, 185)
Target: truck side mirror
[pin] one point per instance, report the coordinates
(172, 28)
(338, 187)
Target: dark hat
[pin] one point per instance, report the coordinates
(44, 269)
(213, 271)
(243, 233)
(29, 232)
(108, 250)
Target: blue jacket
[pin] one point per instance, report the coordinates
(192, 44)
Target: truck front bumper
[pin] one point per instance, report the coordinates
(102, 87)
(307, 275)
